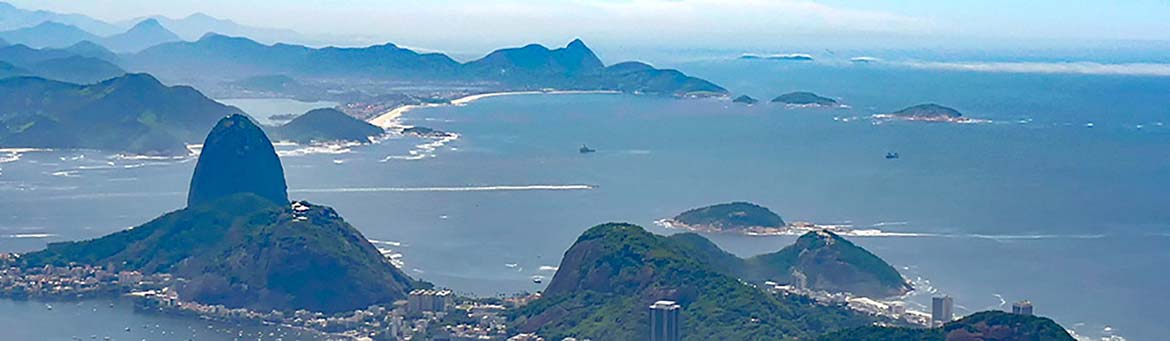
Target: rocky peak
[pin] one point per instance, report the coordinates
(237, 157)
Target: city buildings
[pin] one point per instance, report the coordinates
(1022, 307)
(664, 321)
(421, 300)
(942, 309)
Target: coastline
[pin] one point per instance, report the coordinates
(389, 119)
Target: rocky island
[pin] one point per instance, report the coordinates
(742, 218)
(241, 243)
(745, 99)
(929, 112)
(805, 99)
(424, 132)
(729, 217)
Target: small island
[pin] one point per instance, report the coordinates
(734, 216)
(929, 112)
(798, 57)
(326, 125)
(804, 99)
(427, 133)
(745, 99)
(743, 218)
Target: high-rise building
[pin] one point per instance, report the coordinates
(1022, 307)
(664, 321)
(942, 309)
(421, 300)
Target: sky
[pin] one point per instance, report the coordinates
(478, 25)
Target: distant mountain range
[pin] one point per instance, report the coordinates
(530, 67)
(82, 63)
(190, 27)
(51, 34)
(12, 18)
(132, 113)
(196, 25)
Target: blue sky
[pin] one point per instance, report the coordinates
(474, 25)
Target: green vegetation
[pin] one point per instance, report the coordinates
(245, 251)
(324, 125)
(986, 325)
(817, 260)
(804, 98)
(613, 272)
(132, 113)
(825, 261)
(735, 215)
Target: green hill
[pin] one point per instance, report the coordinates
(981, 326)
(132, 113)
(323, 125)
(823, 260)
(613, 272)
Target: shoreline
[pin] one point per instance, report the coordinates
(390, 119)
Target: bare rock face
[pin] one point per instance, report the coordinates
(237, 158)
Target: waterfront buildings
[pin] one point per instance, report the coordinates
(664, 321)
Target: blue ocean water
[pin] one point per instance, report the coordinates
(1036, 205)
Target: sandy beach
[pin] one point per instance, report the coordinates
(390, 118)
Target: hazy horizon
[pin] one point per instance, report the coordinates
(469, 28)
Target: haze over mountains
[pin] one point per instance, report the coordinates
(574, 66)
(12, 18)
(51, 34)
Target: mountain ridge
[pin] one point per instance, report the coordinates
(132, 113)
(614, 271)
(531, 67)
